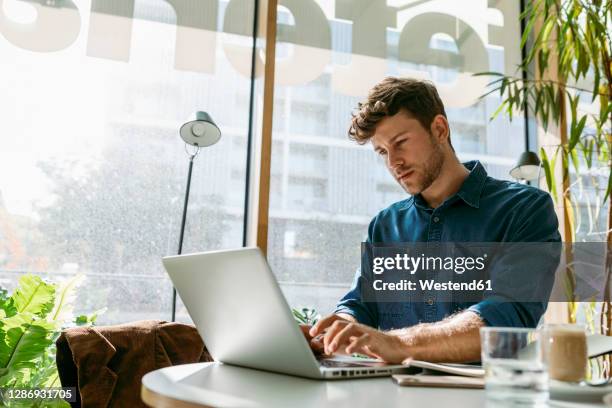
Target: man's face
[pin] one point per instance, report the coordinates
(412, 154)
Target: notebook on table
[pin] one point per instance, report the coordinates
(472, 376)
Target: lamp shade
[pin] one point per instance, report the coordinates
(200, 131)
(527, 168)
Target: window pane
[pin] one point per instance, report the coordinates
(329, 188)
(92, 170)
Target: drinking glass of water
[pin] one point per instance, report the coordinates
(515, 366)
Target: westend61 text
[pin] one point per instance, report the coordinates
(430, 284)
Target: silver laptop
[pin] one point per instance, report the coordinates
(240, 312)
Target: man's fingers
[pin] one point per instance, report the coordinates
(407, 361)
(358, 343)
(331, 332)
(316, 344)
(322, 324)
(342, 337)
(368, 352)
(305, 328)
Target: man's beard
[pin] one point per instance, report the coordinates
(432, 168)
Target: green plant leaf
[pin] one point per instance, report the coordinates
(499, 109)
(34, 296)
(62, 310)
(23, 340)
(4, 296)
(81, 320)
(605, 108)
(576, 163)
(297, 315)
(305, 315)
(549, 24)
(528, 28)
(573, 102)
(503, 86)
(571, 218)
(609, 188)
(30, 323)
(549, 173)
(588, 153)
(7, 305)
(576, 131)
(89, 320)
(45, 374)
(488, 73)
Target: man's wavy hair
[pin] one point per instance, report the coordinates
(388, 97)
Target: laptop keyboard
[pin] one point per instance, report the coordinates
(337, 364)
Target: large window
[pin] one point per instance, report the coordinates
(92, 170)
(331, 187)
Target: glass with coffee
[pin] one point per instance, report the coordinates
(565, 347)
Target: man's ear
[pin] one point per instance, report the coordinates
(440, 128)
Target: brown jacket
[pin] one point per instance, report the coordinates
(106, 363)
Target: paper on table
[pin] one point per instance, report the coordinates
(465, 370)
(444, 381)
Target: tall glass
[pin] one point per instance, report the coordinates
(515, 366)
(565, 346)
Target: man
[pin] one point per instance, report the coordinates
(405, 121)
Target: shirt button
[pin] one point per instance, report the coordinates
(436, 219)
(430, 302)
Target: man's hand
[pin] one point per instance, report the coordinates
(316, 343)
(456, 339)
(351, 337)
(323, 324)
(314, 334)
(342, 334)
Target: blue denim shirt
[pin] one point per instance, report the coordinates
(483, 210)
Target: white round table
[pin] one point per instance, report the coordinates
(222, 385)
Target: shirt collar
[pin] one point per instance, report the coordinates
(470, 190)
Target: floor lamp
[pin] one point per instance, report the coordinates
(200, 131)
